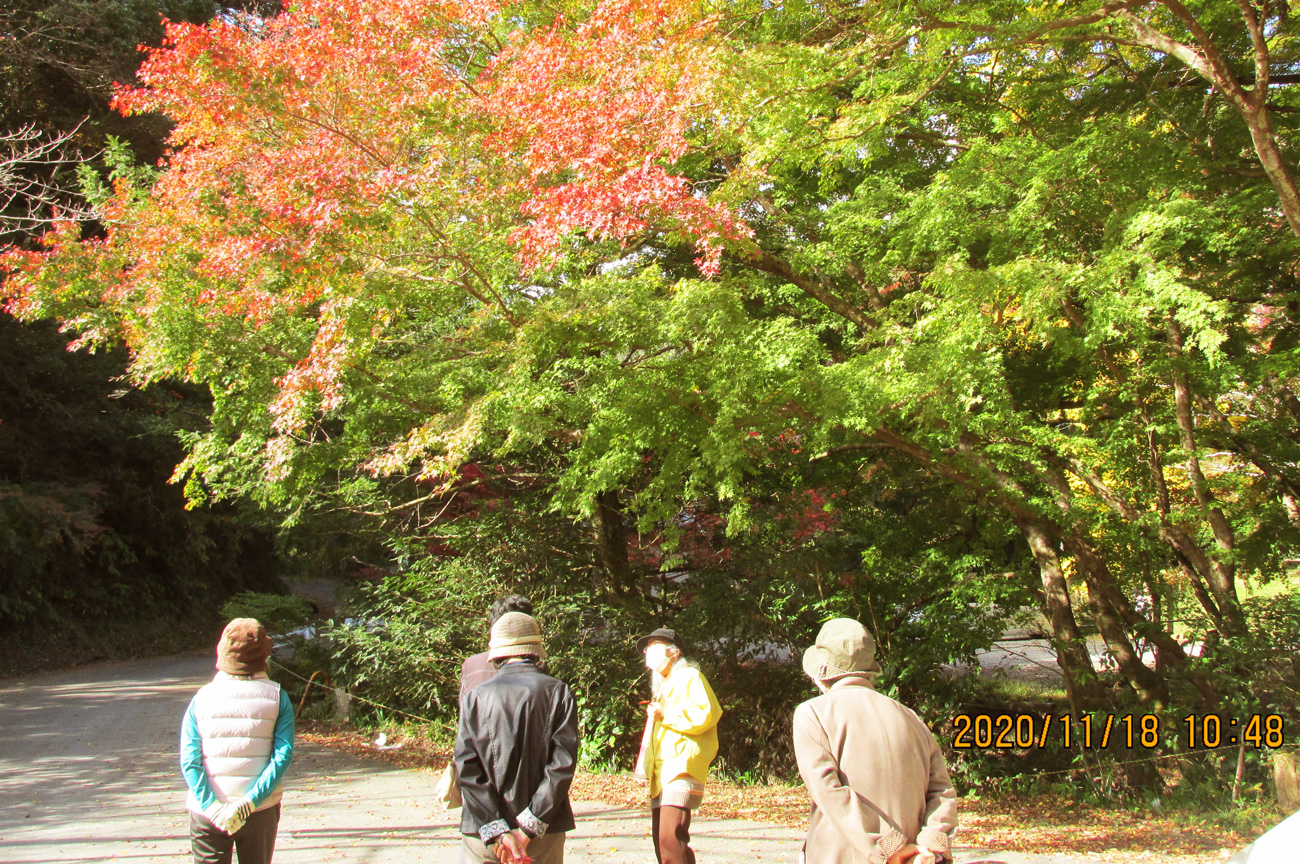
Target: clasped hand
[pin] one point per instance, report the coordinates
(913, 854)
(232, 815)
(512, 847)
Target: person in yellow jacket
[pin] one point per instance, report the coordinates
(683, 740)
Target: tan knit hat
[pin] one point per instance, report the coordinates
(516, 635)
(243, 648)
(843, 647)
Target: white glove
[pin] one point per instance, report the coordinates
(231, 817)
(212, 810)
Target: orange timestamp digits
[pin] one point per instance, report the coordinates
(1212, 730)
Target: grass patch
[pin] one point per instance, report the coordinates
(1002, 688)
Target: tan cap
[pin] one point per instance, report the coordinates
(516, 635)
(243, 648)
(843, 647)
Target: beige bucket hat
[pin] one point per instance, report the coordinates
(516, 635)
(843, 647)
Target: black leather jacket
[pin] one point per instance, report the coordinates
(515, 752)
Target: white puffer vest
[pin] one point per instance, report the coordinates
(236, 719)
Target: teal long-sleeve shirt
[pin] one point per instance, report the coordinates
(196, 778)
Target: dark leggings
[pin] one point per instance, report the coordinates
(671, 830)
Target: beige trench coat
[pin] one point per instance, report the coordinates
(855, 748)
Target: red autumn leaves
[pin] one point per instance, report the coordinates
(306, 143)
(600, 113)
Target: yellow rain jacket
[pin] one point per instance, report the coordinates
(686, 740)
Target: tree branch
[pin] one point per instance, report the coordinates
(769, 263)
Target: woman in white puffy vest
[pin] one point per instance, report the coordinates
(236, 744)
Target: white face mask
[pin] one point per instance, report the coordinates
(656, 657)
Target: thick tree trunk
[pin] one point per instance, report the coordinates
(1106, 603)
(611, 542)
(1081, 685)
(1093, 567)
(1206, 60)
(1111, 611)
(1190, 556)
(1220, 575)
(1097, 573)
(1270, 158)
(1198, 589)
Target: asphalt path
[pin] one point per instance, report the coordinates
(88, 772)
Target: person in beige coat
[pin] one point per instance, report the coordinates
(879, 786)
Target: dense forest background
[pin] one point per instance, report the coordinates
(730, 317)
(99, 556)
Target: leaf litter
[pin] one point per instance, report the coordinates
(1039, 824)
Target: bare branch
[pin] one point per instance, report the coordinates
(34, 187)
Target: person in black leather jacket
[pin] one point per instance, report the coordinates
(515, 753)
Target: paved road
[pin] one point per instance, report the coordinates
(88, 772)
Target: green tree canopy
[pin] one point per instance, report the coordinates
(1038, 258)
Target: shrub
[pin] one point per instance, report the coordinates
(278, 613)
(746, 630)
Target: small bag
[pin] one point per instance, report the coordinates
(641, 770)
(447, 789)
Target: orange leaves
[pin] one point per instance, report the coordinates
(290, 130)
(599, 113)
(297, 134)
(317, 373)
(71, 292)
(220, 72)
(347, 148)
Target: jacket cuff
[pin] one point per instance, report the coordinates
(935, 840)
(492, 831)
(889, 843)
(532, 826)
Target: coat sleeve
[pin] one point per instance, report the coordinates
(940, 805)
(554, 790)
(192, 769)
(479, 800)
(857, 824)
(281, 754)
(692, 709)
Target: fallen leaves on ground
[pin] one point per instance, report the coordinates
(1050, 824)
(1041, 824)
(414, 752)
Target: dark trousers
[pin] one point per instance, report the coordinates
(671, 829)
(255, 842)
